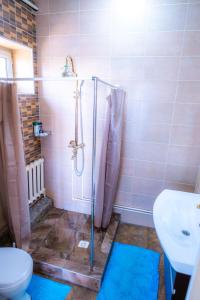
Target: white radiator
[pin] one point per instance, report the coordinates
(35, 179)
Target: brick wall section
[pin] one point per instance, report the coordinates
(17, 23)
(29, 110)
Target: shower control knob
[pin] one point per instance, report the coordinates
(72, 144)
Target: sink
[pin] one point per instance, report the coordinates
(177, 223)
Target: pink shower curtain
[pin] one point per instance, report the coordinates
(13, 186)
(109, 159)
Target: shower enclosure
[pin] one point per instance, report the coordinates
(45, 247)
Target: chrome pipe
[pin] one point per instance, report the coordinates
(93, 196)
(31, 4)
(44, 79)
(107, 83)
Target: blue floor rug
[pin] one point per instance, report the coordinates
(132, 274)
(42, 288)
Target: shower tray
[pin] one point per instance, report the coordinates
(55, 247)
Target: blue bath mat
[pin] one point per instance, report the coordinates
(42, 288)
(132, 274)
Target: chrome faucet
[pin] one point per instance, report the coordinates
(73, 144)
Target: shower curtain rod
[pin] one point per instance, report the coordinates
(44, 79)
(113, 86)
(60, 79)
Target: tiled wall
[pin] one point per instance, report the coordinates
(17, 23)
(153, 50)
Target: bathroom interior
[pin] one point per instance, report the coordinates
(99, 149)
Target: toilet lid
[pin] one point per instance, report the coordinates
(15, 264)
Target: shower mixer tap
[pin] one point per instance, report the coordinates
(73, 144)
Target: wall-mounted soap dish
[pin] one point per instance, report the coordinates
(43, 134)
(38, 130)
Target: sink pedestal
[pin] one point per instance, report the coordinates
(176, 284)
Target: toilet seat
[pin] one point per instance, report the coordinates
(15, 266)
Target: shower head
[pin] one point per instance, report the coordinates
(69, 69)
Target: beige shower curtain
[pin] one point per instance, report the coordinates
(108, 173)
(13, 187)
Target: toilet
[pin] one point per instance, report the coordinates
(16, 267)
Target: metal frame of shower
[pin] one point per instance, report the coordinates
(95, 80)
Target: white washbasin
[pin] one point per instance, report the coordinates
(175, 215)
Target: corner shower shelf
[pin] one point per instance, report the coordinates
(43, 134)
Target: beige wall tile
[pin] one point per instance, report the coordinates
(135, 44)
(153, 152)
(64, 23)
(125, 184)
(157, 90)
(191, 46)
(157, 112)
(182, 155)
(127, 68)
(187, 114)
(179, 186)
(61, 5)
(142, 201)
(43, 6)
(164, 46)
(94, 65)
(146, 186)
(42, 25)
(128, 149)
(64, 45)
(193, 20)
(190, 68)
(188, 92)
(130, 131)
(132, 110)
(43, 46)
(147, 169)
(123, 198)
(128, 17)
(95, 45)
(157, 133)
(181, 174)
(92, 22)
(95, 5)
(127, 167)
(44, 66)
(156, 68)
(167, 17)
(185, 135)
(163, 2)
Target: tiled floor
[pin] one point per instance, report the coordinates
(134, 235)
(56, 252)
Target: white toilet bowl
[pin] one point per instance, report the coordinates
(16, 267)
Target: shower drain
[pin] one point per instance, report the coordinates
(83, 244)
(185, 232)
